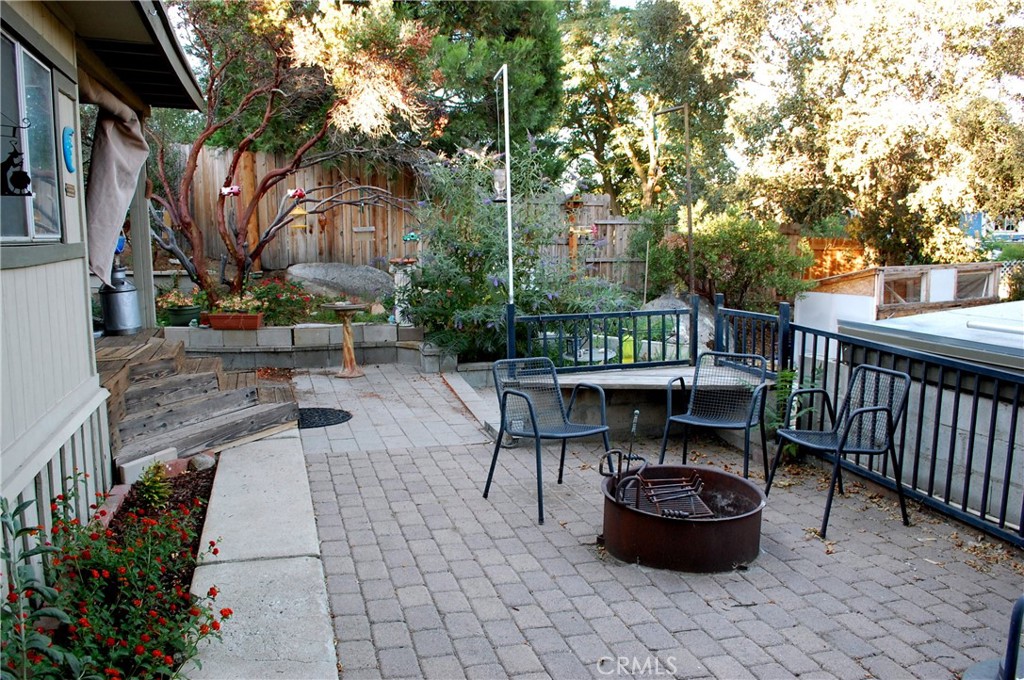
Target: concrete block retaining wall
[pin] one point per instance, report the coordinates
(310, 346)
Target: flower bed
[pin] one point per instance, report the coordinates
(121, 592)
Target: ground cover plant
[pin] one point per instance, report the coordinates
(120, 594)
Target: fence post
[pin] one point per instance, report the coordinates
(785, 349)
(720, 323)
(694, 314)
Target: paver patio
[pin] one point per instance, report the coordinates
(428, 579)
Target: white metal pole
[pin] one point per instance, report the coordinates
(508, 184)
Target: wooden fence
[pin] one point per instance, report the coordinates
(372, 235)
(367, 235)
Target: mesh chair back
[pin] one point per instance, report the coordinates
(871, 386)
(724, 384)
(536, 377)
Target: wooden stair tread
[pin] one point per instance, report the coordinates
(234, 379)
(216, 431)
(161, 392)
(170, 417)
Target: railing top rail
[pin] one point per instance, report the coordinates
(917, 355)
(539, 318)
(763, 316)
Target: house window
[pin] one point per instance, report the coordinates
(28, 185)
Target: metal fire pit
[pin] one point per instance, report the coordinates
(683, 517)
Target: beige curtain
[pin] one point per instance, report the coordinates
(119, 153)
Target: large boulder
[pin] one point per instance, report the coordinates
(705, 318)
(343, 280)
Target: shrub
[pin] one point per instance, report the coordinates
(459, 292)
(287, 302)
(746, 260)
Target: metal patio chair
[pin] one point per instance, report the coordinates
(727, 393)
(532, 406)
(875, 401)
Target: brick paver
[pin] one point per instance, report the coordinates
(428, 579)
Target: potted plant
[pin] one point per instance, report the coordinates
(182, 308)
(238, 312)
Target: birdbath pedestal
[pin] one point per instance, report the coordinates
(345, 311)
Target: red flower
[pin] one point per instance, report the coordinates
(226, 612)
(145, 637)
(212, 592)
(12, 597)
(216, 625)
(139, 650)
(204, 629)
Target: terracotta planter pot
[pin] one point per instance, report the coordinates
(231, 321)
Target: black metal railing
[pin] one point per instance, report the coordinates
(608, 340)
(745, 332)
(959, 441)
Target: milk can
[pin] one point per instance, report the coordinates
(120, 304)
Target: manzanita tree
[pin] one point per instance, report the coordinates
(286, 77)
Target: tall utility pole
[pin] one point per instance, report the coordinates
(685, 108)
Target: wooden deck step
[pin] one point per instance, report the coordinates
(168, 418)
(203, 365)
(159, 392)
(217, 432)
(270, 391)
(155, 358)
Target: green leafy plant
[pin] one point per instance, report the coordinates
(153, 487)
(288, 302)
(1015, 283)
(240, 303)
(132, 612)
(459, 291)
(747, 260)
(28, 651)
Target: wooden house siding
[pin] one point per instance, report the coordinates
(46, 353)
(52, 408)
(53, 31)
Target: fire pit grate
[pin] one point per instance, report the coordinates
(321, 417)
(677, 497)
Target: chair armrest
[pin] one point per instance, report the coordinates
(757, 400)
(529, 406)
(668, 392)
(587, 386)
(796, 394)
(859, 414)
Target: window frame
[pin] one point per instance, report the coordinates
(32, 236)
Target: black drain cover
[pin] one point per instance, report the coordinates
(321, 417)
